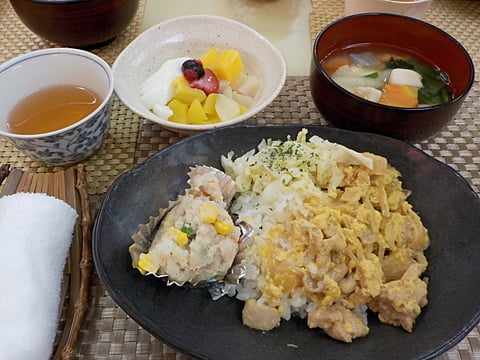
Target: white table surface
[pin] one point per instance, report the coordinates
(284, 22)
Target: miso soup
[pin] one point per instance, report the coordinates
(389, 76)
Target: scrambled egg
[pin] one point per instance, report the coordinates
(334, 234)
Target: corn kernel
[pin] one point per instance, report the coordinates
(208, 214)
(146, 265)
(180, 237)
(222, 227)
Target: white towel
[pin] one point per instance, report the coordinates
(35, 236)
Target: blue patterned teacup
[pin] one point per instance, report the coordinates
(27, 73)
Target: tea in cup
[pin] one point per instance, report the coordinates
(56, 104)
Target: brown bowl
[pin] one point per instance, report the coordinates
(346, 110)
(77, 23)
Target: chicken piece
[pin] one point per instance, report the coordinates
(400, 301)
(407, 231)
(260, 316)
(415, 232)
(396, 263)
(339, 322)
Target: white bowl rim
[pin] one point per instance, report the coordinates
(72, 51)
(191, 127)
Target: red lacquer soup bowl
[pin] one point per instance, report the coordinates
(343, 109)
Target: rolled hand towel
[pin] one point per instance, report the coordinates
(35, 236)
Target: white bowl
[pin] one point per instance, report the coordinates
(413, 8)
(192, 36)
(30, 72)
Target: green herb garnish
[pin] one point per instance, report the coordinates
(188, 229)
(399, 63)
(373, 75)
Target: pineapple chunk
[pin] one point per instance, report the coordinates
(196, 113)
(209, 104)
(226, 108)
(243, 109)
(210, 57)
(179, 110)
(180, 81)
(228, 65)
(212, 119)
(186, 94)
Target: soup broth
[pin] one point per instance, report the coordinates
(52, 108)
(389, 76)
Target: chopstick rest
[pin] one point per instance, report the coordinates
(35, 235)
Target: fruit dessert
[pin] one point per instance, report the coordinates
(213, 88)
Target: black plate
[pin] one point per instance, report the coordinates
(190, 321)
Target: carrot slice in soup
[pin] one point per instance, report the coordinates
(400, 96)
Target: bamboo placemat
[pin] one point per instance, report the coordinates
(109, 333)
(117, 154)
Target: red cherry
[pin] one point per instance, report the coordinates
(208, 82)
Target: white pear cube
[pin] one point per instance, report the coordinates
(225, 88)
(162, 111)
(247, 85)
(244, 100)
(226, 108)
